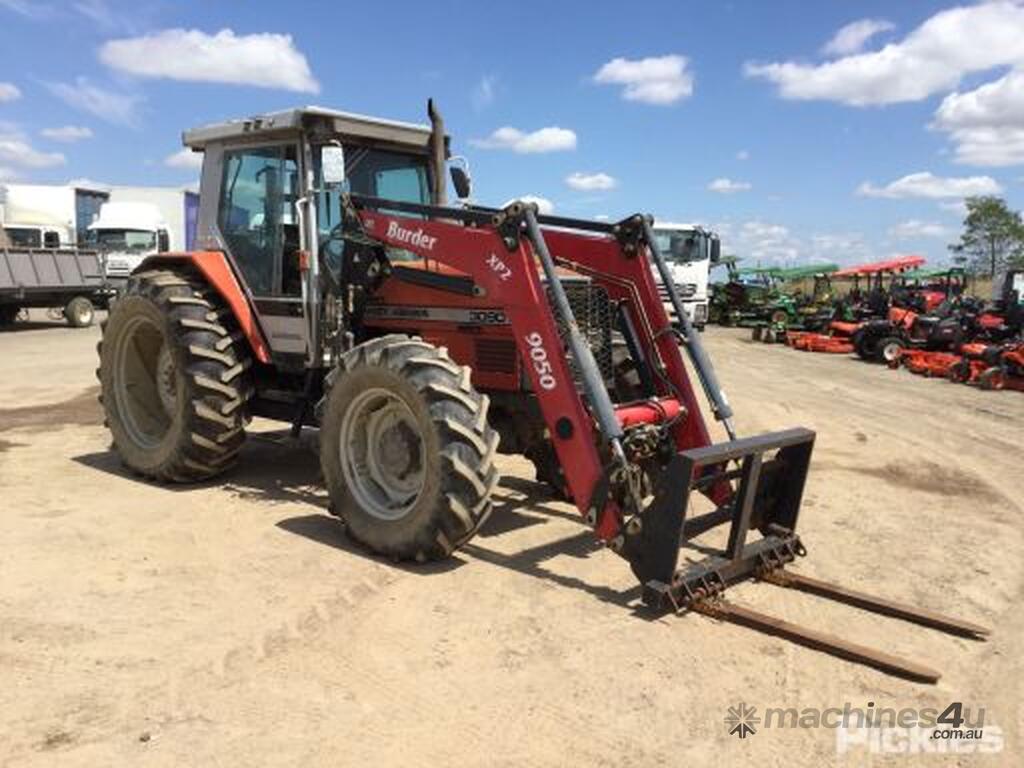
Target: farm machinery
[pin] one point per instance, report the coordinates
(336, 289)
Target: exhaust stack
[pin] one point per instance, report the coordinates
(439, 153)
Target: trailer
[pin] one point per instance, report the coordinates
(70, 280)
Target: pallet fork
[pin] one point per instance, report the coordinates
(610, 451)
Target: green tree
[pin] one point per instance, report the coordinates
(993, 236)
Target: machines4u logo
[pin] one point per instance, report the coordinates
(742, 720)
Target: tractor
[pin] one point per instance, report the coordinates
(334, 288)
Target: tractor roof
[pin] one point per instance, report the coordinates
(799, 273)
(898, 264)
(289, 121)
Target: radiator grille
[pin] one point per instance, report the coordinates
(593, 312)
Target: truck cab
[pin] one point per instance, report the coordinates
(126, 233)
(690, 251)
(32, 236)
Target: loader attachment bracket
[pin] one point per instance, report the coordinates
(767, 490)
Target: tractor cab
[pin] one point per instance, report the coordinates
(270, 199)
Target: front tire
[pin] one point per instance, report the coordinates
(80, 312)
(406, 450)
(174, 377)
(888, 350)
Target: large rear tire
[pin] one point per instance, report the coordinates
(406, 450)
(174, 377)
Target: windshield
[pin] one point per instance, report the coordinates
(377, 173)
(24, 238)
(122, 239)
(681, 246)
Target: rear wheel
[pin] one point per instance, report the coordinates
(8, 314)
(406, 450)
(865, 346)
(174, 377)
(79, 312)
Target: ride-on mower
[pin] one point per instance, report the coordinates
(335, 289)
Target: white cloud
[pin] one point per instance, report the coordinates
(484, 91)
(9, 92)
(185, 158)
(589, 182)
(15, 150)
(958, 207)
(852, 37)
(932, 58)
(544, 206)
(654, 80)
(107, 105)
(266, 60)
(8, 174)
(551, 139)
(728, 186)
(915, 229)
(67, 133)
(743, 155)
(925, 184)
(987, 123)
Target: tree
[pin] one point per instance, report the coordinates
(993, 236)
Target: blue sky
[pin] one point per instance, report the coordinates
(754, 117)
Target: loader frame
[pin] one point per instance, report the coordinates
(501, 251)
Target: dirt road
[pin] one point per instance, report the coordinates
(233, 624)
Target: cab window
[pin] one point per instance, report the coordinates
(257, 217)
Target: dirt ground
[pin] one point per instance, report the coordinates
(232, 624)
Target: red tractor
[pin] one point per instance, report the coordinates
(334, 289)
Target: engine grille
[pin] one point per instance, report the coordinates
(593, 312)
(495, 355)
(685, 290)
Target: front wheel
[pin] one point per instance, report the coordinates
(993, 379)
(888, 350)
(406, 450)
(80, 312)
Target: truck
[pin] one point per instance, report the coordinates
(137, 222)
(46, 215)
(690, 251)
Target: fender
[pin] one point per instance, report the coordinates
(217, 270)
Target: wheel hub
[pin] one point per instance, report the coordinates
(382, 454)
(167, 380)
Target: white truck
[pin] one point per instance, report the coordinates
(46, 215)
(139, 221)
(689, 250)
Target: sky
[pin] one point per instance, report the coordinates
(837, 131)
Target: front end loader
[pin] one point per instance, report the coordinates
(336, 290)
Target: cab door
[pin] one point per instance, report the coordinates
(260, 227)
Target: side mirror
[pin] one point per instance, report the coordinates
(163, 241)
(332, 164)
(461, 182)
(716, 250)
